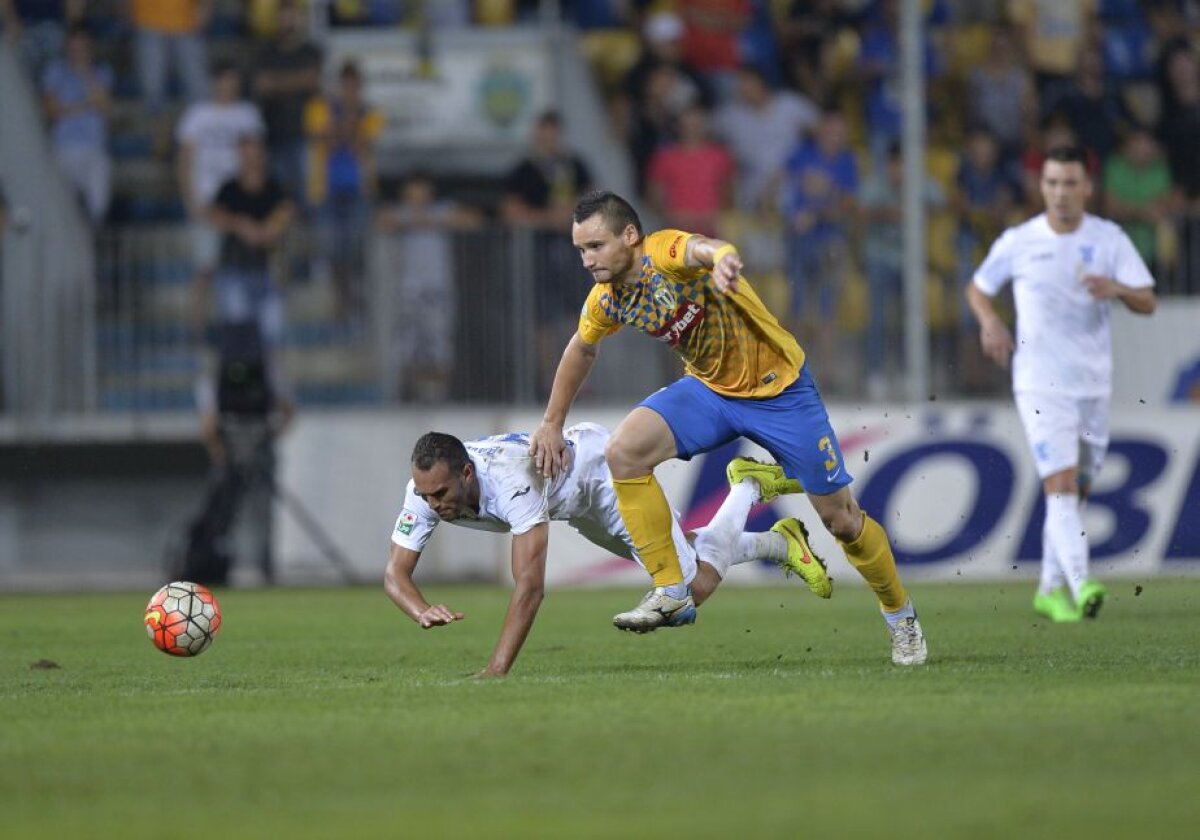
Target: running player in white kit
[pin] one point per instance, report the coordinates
(492, 484)
(1066, 267)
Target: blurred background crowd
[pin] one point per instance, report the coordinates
(233, 167)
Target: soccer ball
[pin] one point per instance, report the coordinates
(182, 618)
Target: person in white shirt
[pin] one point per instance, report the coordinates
(492, 484)
(1066, 267)
(208, 135)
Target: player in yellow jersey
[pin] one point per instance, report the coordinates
(745, 377)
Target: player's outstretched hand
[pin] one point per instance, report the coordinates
(997, 341)
(1101, 288)
(438, 615)
(726, 272)
(549, 450)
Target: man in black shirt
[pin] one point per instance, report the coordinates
(540, 196)
(252, 213)
(287, 73)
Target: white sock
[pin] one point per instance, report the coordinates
(894, 618)
(1052, 573)
(717, 543)
(1065, 526)
(761, 545)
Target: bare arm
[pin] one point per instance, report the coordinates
(1141, 300)
(529, 576)
(398, 583)
(720, 256)
(994, 335)
(546, 444)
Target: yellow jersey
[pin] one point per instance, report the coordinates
(729, 341)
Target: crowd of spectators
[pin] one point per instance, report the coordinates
(772, 122)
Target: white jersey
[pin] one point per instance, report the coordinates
(213, 130)
(1063, 342)
(514, 497)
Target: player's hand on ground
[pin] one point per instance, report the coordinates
(549, 450)
(438, 615)
(997, 341)
(1102, 288)
(726, 272)
(488, 673)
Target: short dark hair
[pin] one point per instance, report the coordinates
(1068, 154)
(434, 447)
(550, 117)
(616, 211)
(221, 66)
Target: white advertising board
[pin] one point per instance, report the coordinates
(953, 485)
(471, 88)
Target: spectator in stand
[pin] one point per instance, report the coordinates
(170, 31)
(712, 29)
(1091, 106)
(343, 129)
(807, 45)
(423, 319)
(287, 73)
(1054, 34)
(1139, 195)
(540, 196)
(1001, 98)
(691, 181)
(252, 214)
(819, 199)
(1179, 127)
(883, 257)
(761, 127)
(208, 136)
(658, 89)
(662, 44)
(987, 194)
(39, 28)
(78, 95)
(879, 69)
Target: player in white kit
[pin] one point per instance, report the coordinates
(1066, 267)
(492, 484)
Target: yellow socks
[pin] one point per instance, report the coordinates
(871, 554)
(648, 518)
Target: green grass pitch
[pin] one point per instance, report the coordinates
(329, 714)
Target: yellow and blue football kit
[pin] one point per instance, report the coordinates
(745, 376)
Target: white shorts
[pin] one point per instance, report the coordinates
(1064, 432)
(603, 525)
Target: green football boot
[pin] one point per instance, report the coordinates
(1057, 606)
(801, 559)
(771, 480)
(1091, 598)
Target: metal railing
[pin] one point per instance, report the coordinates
(460, 317)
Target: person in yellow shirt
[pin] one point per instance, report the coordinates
(171, 30)
(745, 376)
(342, 130)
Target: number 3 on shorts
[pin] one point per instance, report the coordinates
(826, 446)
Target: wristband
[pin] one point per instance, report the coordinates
(722, 252)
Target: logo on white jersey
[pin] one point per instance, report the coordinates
(406, 523)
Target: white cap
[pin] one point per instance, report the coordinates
(664, 26)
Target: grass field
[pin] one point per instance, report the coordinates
(328, 714)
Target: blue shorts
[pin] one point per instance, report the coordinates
(793, 426)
